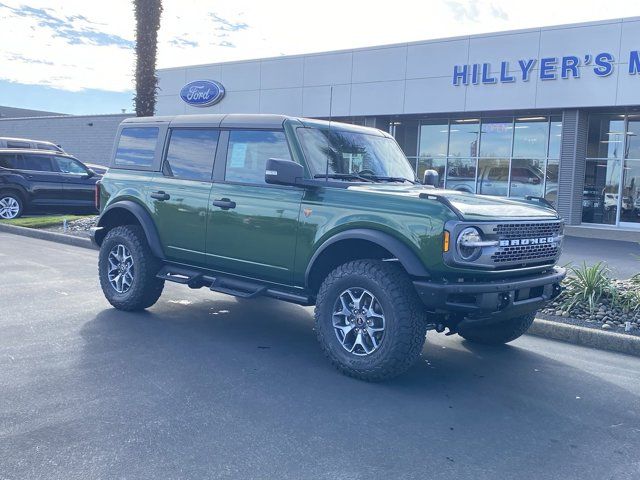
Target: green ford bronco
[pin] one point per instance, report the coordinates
(325, 214)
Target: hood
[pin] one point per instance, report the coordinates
(468, 206)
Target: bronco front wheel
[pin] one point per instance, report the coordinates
(369, 320)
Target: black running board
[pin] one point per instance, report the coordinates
(228, 285)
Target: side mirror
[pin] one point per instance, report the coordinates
(90, 174)
(283, 172)
(431, 177)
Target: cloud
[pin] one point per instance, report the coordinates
(498, 12)
(462, 12)
(227, 26)
(183, 42)
(76, 29)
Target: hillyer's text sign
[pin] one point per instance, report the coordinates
(202, 93)
(548, 68)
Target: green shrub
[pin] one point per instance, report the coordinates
(587, 286)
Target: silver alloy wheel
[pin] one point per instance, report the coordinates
(358, 321)
(121, 268)
(9, 207)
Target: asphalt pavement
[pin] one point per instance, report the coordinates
(621, 258)
(206, 386)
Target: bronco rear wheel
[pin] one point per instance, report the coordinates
(128, 269)
(369, 320)
(503, 332)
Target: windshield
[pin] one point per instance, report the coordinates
(349, 153)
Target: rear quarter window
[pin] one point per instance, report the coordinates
(136, 147)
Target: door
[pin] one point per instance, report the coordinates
(45, 184)
(630, 201)
(78, 186)
(179, 195)
(252, 226)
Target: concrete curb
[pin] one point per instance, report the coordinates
(588, 337)
(46, 235)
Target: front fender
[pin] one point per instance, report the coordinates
(409, 260)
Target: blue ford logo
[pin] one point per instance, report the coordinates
(202, 93)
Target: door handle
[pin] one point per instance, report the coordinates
(224, 204)
(160, 195)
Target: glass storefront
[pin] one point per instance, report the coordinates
(612, 176)
(505, 156)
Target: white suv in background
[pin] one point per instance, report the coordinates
(26, 143)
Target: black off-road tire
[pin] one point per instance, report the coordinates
(405, 325)
(499, 333)
(15, 196)
(146, 288)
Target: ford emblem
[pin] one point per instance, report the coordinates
(202, 93)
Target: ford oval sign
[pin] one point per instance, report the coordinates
(202, 93)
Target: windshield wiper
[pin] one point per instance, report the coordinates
(343, 176)
(392, 179)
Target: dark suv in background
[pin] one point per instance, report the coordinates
(41, 180)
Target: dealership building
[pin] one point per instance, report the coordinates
(552, 112)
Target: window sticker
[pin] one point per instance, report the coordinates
(238, 155)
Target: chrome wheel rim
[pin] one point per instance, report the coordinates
(9, 207)
(121, 268)
(358, 321)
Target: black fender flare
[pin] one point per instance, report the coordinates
(143, 217)
(407, 258)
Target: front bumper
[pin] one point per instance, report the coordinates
(492, 300)
(96, 235)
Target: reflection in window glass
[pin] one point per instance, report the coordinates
(633, 138)
(433, 140)
(630, 206)
(527, 177)
(606, 136)
(551, 189)
(530, 137)
(495, 140)
(190, 154)
(461, 174)
(463, 138)
(600, 196)
(555, 136)
(137, 146)
(249, 151)
(437, 164)
(493, 176)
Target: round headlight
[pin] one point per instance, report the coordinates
(467, 244)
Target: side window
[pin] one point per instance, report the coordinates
(40, 163)
(190, 154)
(8, 161)
(137, 147)
(14, 144)
(498, 174)
(249, 151)
(69, 165)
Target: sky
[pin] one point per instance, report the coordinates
(77, 56)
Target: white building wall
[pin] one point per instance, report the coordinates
(89, 138)
(417, 77)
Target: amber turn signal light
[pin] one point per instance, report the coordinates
(445, 241)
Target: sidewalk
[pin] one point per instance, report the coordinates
(622, 258)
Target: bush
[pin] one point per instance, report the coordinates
(587, 286)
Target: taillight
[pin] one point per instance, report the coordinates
(96, 198)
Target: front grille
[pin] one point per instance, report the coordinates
(510, 231)
(533, 238)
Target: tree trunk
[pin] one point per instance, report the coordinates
(148, 14)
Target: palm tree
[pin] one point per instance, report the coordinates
(148, 14)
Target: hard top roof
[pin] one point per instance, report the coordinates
(248, 120)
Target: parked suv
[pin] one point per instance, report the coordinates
(320, 213)
(22, 143)
(40, 180)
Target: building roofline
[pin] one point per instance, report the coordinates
(417, 42)
(70, 116)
